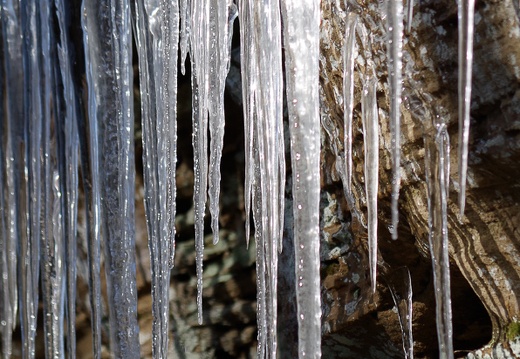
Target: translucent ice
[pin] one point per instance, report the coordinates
(301, 19)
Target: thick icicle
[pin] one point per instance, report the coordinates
(33, 113)
(371, 144)
(157, 39)
(109, 53)
(466, 9)
(88, 139)
(53, 270)
(349, 53)
(14, 165)
(301, 19)
(395, 64)
(68, 145)
(52, 251)
(265, 159)
(400, 285)
(437, 178)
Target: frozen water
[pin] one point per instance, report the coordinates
(437, 178)
(109, 66)
(265, 160)
(466, 9)
(157, 38)
(395, 64)
(349, 53)
(371, 143)
(301, 19)
(400, 285)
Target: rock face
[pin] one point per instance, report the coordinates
(483, 248)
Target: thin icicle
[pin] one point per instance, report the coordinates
(14, 165)
(185, 31)
(33, 113)
(409, 15)
(400, 285)
(466, 9)
(437, 177)
(248, 63)
(6, 323)
(349, 53)
(395, 64)
(302, 77)
(371, 144)
(68, 144)
(199, 48)
(222, 14)
(157, 39)
(107, 28)
(261, 262)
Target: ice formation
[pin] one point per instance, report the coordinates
(45, 137)
(371, 142)
(157, 39)
(466, 10)
(262, 78)
(395, 63)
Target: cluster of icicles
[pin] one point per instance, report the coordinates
(46, 137)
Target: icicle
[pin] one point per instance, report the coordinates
(395, 64)
(303, 17)
(265, 158)
(248, 63)
(371, 142)
(261, 262)
(185, 31)
(108, 42)
(34, 99)
(210, 50)
(466, 9)
(14, 165)
(53, 272)
(68, 144)
(157, 39)
(88, 139)
(221, 18)
(409, 15)
(52, 251)
(199, 42)
(437, 177)
(400, 285)
(6, 323)
(349, 53)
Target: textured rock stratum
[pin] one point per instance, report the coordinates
(483, 246)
